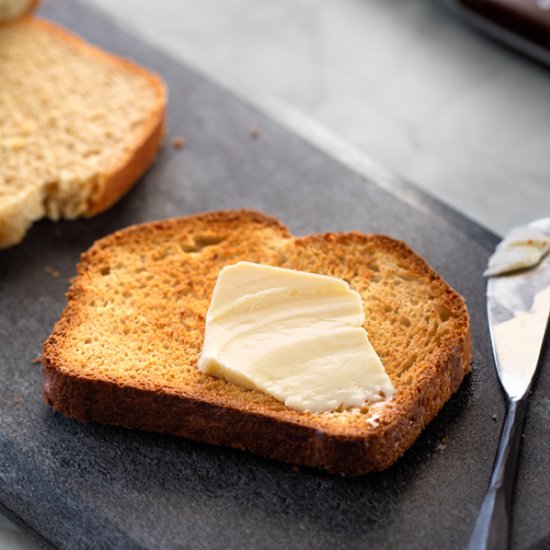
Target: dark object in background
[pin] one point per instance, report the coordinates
(521, 24)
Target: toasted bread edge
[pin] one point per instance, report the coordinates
(183, 416)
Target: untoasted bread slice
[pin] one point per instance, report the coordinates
(126, 347)
(10, 10)
(77, 126)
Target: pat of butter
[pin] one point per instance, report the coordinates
(297, 336)
(523, 247)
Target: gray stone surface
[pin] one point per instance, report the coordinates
(400, 81)
(86, 485)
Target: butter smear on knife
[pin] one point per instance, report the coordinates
(523, 247)
(297, 336)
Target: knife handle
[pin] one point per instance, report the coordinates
(492, 529)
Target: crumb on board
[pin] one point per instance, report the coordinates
(17, 399)
(37, 360)
(441, 447)
(53, 272)
(254, 132)
(179, 142)
(494, 417)
(295, 469)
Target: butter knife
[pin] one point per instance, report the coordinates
(518, 306)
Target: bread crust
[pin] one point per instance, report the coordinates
(288, 436)
(121, 178)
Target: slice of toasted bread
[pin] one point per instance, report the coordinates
(125, 350)
(77, 126)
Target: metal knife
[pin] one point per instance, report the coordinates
(518, 306)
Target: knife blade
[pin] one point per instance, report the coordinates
(518, 307)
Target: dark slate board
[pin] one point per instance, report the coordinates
(86, 485)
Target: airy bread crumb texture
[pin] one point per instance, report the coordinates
(70, 117)
(136, 313)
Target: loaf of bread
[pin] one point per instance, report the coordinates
(77, 126)
(125, 350)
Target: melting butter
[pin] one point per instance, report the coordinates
(297, 336)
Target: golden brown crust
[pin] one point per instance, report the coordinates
(276, 432)
(122, 178)
(33, 6)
